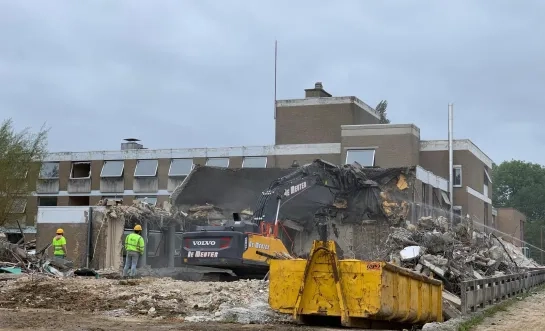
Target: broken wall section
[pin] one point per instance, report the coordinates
(103, 250)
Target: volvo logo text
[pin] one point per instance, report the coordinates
(204, 242)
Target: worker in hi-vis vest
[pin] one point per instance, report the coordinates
(134, 246)
(59, 244)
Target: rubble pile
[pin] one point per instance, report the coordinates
(23, 258)
(138, 212)
(242, 301)
(455, 255)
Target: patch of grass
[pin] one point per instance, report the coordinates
(476, 320)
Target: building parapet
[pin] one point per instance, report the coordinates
(379, 130)
(271, 150)
(327, 102)
(459, 145)
(430, 178)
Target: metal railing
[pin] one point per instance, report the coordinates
(478, 294)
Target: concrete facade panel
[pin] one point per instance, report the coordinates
(79, 185)
(64, 174)
(63, 200)
(47, 186)
(93, 200)
(128, 173)
(235, 162)
(162, 173)
(96, 168)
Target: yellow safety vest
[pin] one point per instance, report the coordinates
(57, 245)
(134, 243)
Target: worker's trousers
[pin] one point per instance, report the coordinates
(131, 260)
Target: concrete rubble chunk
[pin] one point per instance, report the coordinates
(455, 300)
(410, 253)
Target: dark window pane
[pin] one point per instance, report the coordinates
(146, 168)
(255, 162)
(112, 169)
(49, 170)
(180, 167)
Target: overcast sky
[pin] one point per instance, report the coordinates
(200, 73)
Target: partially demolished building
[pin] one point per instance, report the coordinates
(339, 130)
(360, 204)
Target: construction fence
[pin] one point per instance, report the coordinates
(481, 293)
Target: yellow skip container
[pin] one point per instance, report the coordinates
(360, 293)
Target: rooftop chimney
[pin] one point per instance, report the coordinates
(131, 143)
(317, 92)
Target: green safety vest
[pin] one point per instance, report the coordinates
(134, 243)
(57, 245)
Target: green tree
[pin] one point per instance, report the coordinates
(521, 185)
(381, 109)
(20, 156)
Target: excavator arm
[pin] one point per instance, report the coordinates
(285, 189)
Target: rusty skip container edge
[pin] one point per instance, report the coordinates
(356, 291)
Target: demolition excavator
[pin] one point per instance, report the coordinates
(240, 248)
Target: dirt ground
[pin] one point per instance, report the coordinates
(526, 314)
(43, 319)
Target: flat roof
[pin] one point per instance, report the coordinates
(459, 145)
(328, 101)
(180, 153)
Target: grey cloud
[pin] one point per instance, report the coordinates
(200, 73)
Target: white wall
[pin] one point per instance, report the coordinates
(73, 215)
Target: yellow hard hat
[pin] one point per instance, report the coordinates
(60, 231)
(138, 228)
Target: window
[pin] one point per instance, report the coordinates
(49, 170)
(112, 169)
(19, 206)
(154, 240)
(254, 162)
(222, 162)
(79, 200)
(47, 201)
(445, 197)
(457, 176)
(365, 157)
(180, 167)
(80, 170)
(487, 176)
(146, 168)
(149, 200)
